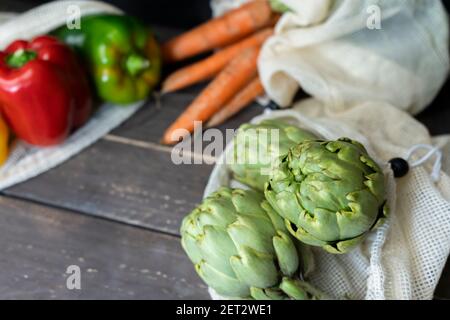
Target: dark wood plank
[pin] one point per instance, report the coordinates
(124, 183)
(37, 244)
(443, 288)
(153, 119)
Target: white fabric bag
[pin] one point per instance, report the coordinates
(403, 259)
(25, 161)
(334, 51)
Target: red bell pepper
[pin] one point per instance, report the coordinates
(44, 92)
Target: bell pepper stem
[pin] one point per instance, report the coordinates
(136, 63)
(19, 58)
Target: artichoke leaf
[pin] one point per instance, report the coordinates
(267, 294)
(303, 235)
(248, 201)
(214, 245)
(222, 283)
(252, 232)
(285, 203)
(252, 177)
(343, 246)
(321, 224)
(293, 289)
(307, 262)
(362, 215)
(189, 244)
(375, 183)
(275, 218)
(300, 290)
(256, 269)
(299, 135)
(286, 253)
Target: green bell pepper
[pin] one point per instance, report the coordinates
(122, 54)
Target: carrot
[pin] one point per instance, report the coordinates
(212, 65)
(227, 83)
(220, 31)
(239, 102)
(274, 20)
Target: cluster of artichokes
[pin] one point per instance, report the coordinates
(330, 194)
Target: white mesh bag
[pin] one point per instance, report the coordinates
(335, 50)
(328, 48)
(405, 257)
(25, 161)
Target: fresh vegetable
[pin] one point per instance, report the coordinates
(241, 249)
(212, 65)
(43, 91)
(279, 6)
(256, 146)
(242, 99)
(122, 54)
(330, 193)
(230, 81)
(4, 141)
(219, 32)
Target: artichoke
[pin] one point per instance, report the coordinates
(331, 194)
(256, 146)
(241, 248)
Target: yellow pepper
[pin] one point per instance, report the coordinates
(4, 141)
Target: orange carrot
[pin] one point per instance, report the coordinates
(239, 102)
(220, 31)
(227, 83)
(274, 19)
(212, 65)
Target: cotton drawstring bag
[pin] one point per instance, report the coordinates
(26, 161)
(347, 51)
(404, 258)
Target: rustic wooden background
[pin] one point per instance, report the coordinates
(115, 210)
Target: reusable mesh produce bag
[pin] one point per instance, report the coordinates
(334, 50)
(363, 81)
(26, 161)
(405, 257)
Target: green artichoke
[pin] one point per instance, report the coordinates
(331, 194)
(256, 146)
(241, 248)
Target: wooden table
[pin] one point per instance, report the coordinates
(114, 210)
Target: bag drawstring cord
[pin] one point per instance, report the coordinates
(432, 151)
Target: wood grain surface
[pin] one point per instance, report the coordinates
(39, 243)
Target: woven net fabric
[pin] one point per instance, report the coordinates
(26, 161)
(405, 257)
